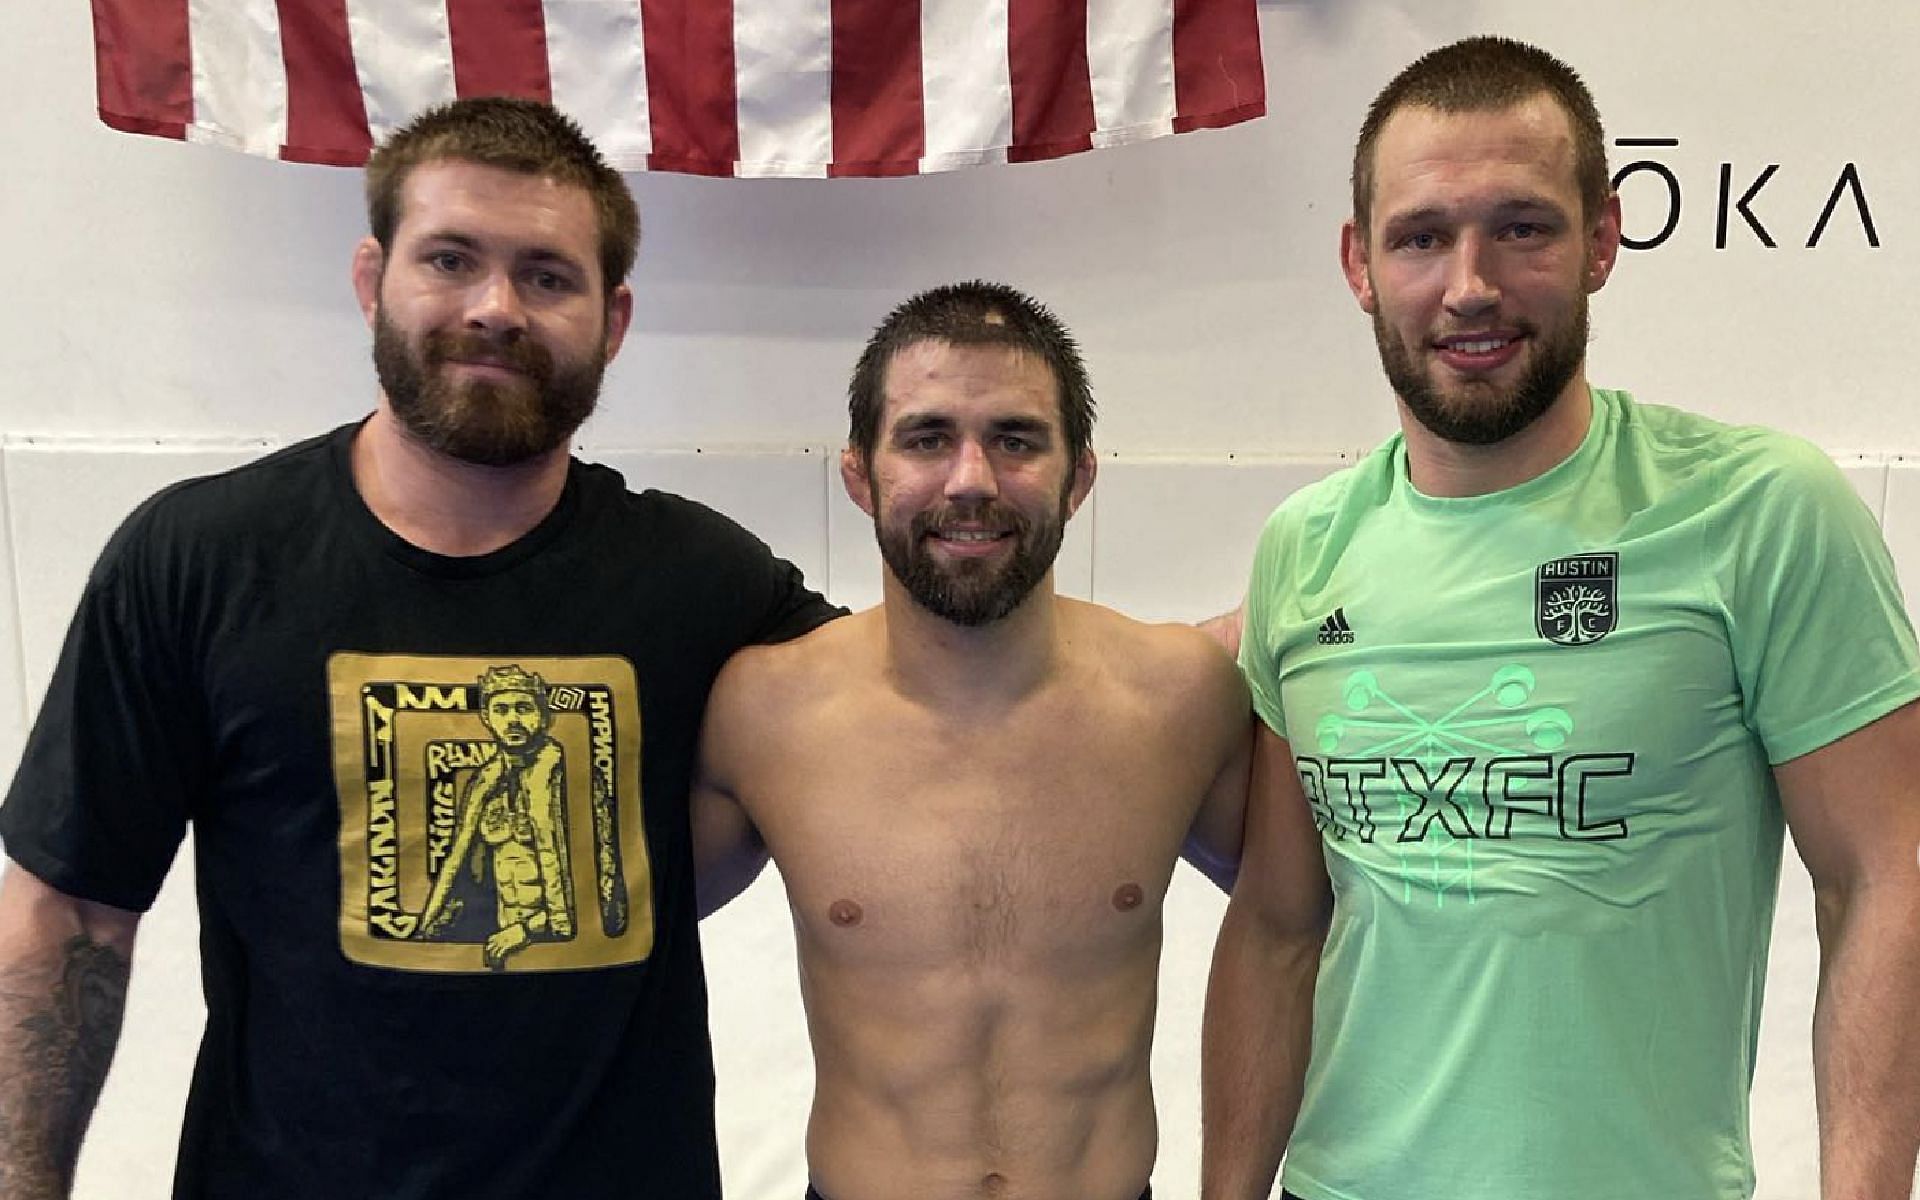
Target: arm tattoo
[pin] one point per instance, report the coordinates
(59, 1023)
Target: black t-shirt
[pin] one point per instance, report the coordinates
(448, 933)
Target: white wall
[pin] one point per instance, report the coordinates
(170, 307)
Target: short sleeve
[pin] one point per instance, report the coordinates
(1821, 639)
(793, 608)
(117, 755)
(1259, 634)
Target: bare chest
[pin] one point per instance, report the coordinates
(1050, 844)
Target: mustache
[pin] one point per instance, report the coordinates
(1519, 327)
(525, 355)
(991, 514)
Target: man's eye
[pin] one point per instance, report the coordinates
(551, 281)
(1420, 241)
(445, 260)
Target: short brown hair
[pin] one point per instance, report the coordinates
(975, 313)
(1487, 74)
(513, 135)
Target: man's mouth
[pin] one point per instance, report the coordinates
(969, 535)
(487, 364)
(486, 356)
(969, 540)
(1478, 351)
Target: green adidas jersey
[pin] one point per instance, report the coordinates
(1536, 730)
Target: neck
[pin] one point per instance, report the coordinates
(446, 506)
(1438, 467)
(931, 659)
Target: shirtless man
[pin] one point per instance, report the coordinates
(515, 808)
(976, 791)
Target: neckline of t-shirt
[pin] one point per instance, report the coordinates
(386, 542)
(1551, 480)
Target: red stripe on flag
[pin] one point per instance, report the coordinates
(879, 123)
(499, 48)
(143, 62)
(691, 102)
(1217, 76)
(1052, 84)
(326, 113)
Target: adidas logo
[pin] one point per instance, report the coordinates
(1334, 631)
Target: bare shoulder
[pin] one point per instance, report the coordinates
(1175, 666)
(765, 701)
(760, 684)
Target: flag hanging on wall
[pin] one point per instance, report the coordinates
(809, 88)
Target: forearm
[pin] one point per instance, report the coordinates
(60, 1013)
(1254, 1046)
(1866, 1043)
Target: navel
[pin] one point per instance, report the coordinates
(844, 913)
(1128, 896)
(994, 1183)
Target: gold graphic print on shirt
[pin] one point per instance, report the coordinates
(490, 812)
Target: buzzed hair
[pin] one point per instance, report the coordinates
(524, 136)
(975, 313)
(1487, 74)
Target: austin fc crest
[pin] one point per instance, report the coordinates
(1576, 600)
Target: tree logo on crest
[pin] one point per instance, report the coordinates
(1576, 600)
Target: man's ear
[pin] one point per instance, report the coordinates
(1603, 244)
(1083, 472)
(369, 262)
(1353, 264)
(619, 317)
(856, 475)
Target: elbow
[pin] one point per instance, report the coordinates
(1293, 927)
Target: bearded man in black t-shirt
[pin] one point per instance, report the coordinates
(324, 753)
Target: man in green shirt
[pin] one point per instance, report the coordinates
(1543, 680)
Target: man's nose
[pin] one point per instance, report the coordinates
(971, 475)
(495, 306)
(1471, 287)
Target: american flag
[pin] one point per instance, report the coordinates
(810, 88)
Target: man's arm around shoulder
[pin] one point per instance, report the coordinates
(1854, 809)
(64, 964)
(728, 852)
(1259, 1016)
(1219, 697)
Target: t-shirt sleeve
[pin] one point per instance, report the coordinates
(117, 753)
(793, 608)
(1821, 639)
(1259, 633)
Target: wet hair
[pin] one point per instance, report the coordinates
(526, 136)
(975, 313)
(1487, 74)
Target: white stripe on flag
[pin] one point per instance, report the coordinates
(966, 82)
(783, 72)
(403, 53)
(597, 61)
(1130, 55)
(239, 78)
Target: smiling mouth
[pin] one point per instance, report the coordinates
(1477, 343)
(969, 535)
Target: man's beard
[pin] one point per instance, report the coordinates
(971, 592)
(522, 751)
(1475, 414)
(486, 422)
